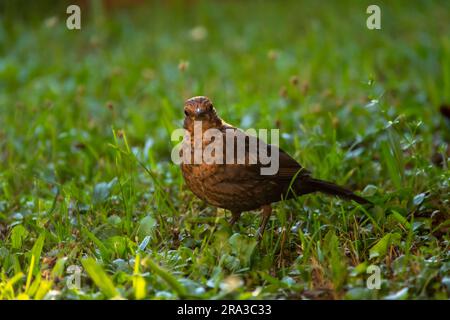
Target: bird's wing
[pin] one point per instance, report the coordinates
(288, 167)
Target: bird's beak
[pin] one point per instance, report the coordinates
(199, 112)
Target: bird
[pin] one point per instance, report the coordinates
(241, 186)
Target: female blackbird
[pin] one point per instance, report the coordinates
(240, 186)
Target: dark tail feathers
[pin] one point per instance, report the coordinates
(333, 189)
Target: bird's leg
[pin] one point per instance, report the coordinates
(235, 217)
(267, 211)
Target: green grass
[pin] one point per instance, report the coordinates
(86, 177)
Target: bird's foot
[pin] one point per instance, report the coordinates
(235, 217)
(267, 211)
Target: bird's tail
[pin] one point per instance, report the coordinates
(333, 189)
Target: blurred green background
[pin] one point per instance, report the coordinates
(85, 171)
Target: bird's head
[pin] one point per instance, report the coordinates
(200, 109)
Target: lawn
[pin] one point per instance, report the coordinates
(92, 207)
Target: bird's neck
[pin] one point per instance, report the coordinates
(200, 127)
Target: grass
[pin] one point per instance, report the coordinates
(86, 178)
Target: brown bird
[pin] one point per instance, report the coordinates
(240, 186)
